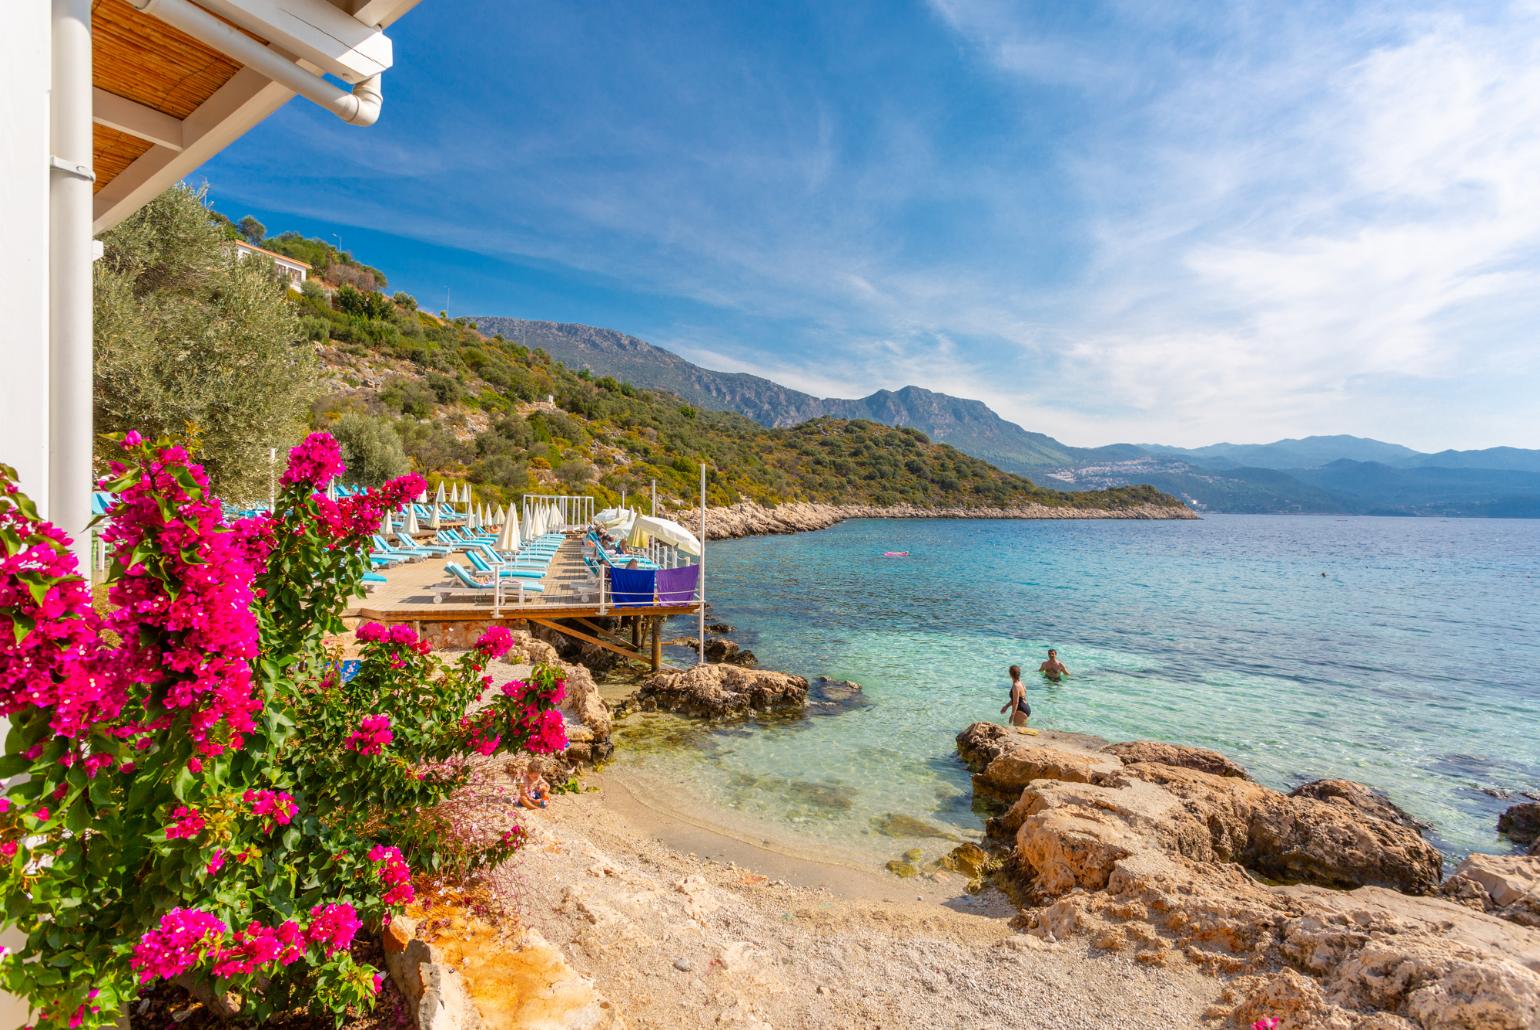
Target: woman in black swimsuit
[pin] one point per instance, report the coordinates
(1017, 705)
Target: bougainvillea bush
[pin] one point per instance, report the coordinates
(196, 794)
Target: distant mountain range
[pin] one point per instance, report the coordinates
(1324, 474)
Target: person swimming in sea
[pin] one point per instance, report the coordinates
(1053, 669)
(1017, 705)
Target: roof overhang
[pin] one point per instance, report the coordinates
(164, 102)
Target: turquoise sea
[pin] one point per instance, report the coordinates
(1404, 653)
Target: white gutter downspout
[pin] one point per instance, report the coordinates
(70, 185)
(360, 107)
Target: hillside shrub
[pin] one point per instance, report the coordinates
(202, 797)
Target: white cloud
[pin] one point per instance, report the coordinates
(1311, 224)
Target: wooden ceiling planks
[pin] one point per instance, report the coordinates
(114, 151)
(147, 61)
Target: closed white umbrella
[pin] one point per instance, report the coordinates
(508, 540)
(665, 531)
(412, 528)
(438, 495)
(436, 514)
(387, 526)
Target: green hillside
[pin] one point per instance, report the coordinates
(495, 412)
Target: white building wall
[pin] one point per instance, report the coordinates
(24, 135)
(24, 146)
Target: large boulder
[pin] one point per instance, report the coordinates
(1358, 797)
(1508, 886)
(1004, 761)
(1521, 823)
(722, 691)
(1199, 758)
(1301, 839)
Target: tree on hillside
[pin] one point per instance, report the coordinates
(371, 448)
(196, 345)
(254, 231)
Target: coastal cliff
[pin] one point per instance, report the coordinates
(750, 519)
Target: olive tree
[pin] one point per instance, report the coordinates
(193, 344)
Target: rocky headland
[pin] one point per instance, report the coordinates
(1323, 908)
(748, 518)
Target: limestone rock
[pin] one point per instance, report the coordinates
(1004, 761)
(1521, 823)
(720, 691)
(719, 650)
(1301, 838)
(1200, 758)
(1018, 766)
(1508, 886)
(1356, 795)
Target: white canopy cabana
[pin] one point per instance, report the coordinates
(648, 529)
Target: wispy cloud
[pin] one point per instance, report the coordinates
(1124, 220)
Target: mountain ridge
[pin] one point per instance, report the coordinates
(1281, 476)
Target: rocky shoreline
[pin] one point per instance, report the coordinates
(1322, 908)
(748, 518)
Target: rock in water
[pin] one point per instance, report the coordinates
(1521, 823)
(720, 691)
(719, 627)
(970, 860)
(897, 824)
(1356, 795)
(1199, 758)
(726, 651)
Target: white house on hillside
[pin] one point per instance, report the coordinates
(292, 269)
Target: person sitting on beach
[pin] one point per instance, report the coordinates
(533, 790)
(633, 564)
(1053, 669)
(1017, 705)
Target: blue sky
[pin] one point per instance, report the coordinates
(1117, 221)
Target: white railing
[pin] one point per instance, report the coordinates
(573, 511)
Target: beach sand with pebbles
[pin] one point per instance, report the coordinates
(679, 923)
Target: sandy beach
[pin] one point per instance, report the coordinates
(680, 924)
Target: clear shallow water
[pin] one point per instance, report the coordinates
(1412, 665)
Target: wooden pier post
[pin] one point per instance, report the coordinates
(657, 642)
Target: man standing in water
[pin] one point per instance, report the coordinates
(1017, 705)
(1053, 669)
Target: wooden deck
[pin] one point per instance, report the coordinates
(423, 595)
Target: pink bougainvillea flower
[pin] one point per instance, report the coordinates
(333, 926)
(181, 940)
(495, 642)
(186, 824)
(274, 807)
(371, 736)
